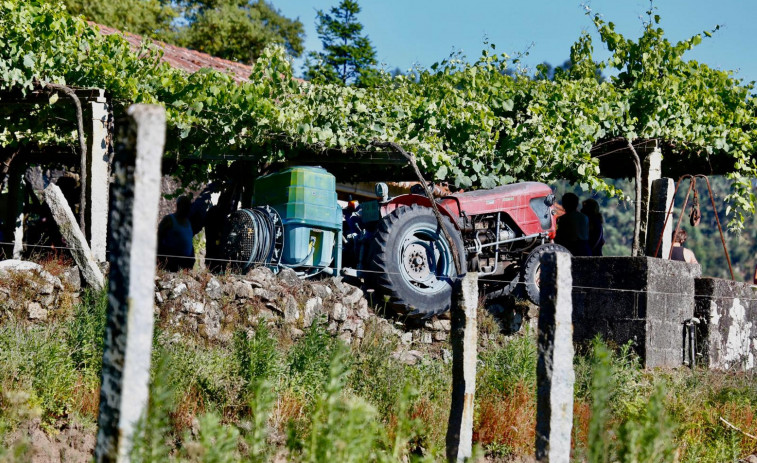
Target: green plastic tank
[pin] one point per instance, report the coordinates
(305, 198)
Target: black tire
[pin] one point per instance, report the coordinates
(401, 268)
(532, 269)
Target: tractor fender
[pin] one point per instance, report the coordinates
(410, 199)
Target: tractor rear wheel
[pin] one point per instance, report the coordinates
(532, 270)
(411, 263)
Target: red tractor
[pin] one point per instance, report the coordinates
(397, 246)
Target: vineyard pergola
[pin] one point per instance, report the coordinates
(471, 124)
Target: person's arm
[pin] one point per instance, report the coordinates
(689, 257)
(755, 274)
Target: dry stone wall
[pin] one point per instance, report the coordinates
(28, 291)
(214, 306)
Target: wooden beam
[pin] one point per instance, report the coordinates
(42, 96)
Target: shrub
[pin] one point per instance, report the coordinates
(257, 356)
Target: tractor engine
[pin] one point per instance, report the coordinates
(491, 244)
(500, 225)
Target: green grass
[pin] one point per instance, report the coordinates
(318, 400)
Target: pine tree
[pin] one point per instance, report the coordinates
(348, 56)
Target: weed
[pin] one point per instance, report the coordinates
(37, 359)
(153, 429)
(601, 390)
(208, 375)
(342, 428)
(14, 408)
(375, 375)
(257, 355)
(309, 362)
(261, 403)
(216, 443)
(505, 422)
(85, 333)
(648, 437)
(506, 367)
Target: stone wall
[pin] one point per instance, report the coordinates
(727, 330)
(213, 307)
(29, 291)
(642, 300)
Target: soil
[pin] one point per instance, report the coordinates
(71, 444)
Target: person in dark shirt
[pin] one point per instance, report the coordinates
(175, 247)
(573, 227)
(681, 253)
(590, 208)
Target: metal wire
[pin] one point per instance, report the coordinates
(481, 280)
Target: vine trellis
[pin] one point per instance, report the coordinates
(469, 123)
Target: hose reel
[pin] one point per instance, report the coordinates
(253, 237)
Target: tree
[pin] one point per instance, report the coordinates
(151, 18)
(238, 30)
(348, 57)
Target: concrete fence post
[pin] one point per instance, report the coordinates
(651, 170)
(659, 203)
(132, 244)
(16, 203)
(464, 339)
(98, 184)
(69, 229)
(554, 371)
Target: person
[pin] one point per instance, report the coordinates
(681, 253)
(590, 208)
(755, 274)
(175, 247)
(573, 227)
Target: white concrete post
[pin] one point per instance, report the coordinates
(659, 204)
(74, 237)
(132, 244)
(464, 339)
(651, 171)
(16, 202)
(554, 371)
(96, 123)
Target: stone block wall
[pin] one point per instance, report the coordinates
(727, 332)
(638, 299)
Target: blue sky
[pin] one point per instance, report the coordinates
(408, 32)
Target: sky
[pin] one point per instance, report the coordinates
(421, 32)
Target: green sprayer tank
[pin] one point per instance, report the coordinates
(305, 198)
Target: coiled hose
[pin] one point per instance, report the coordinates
(251, 237)
(262, 246)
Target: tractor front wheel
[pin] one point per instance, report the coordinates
(532, 270)
(411, 263)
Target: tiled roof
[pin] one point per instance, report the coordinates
(184, 58)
